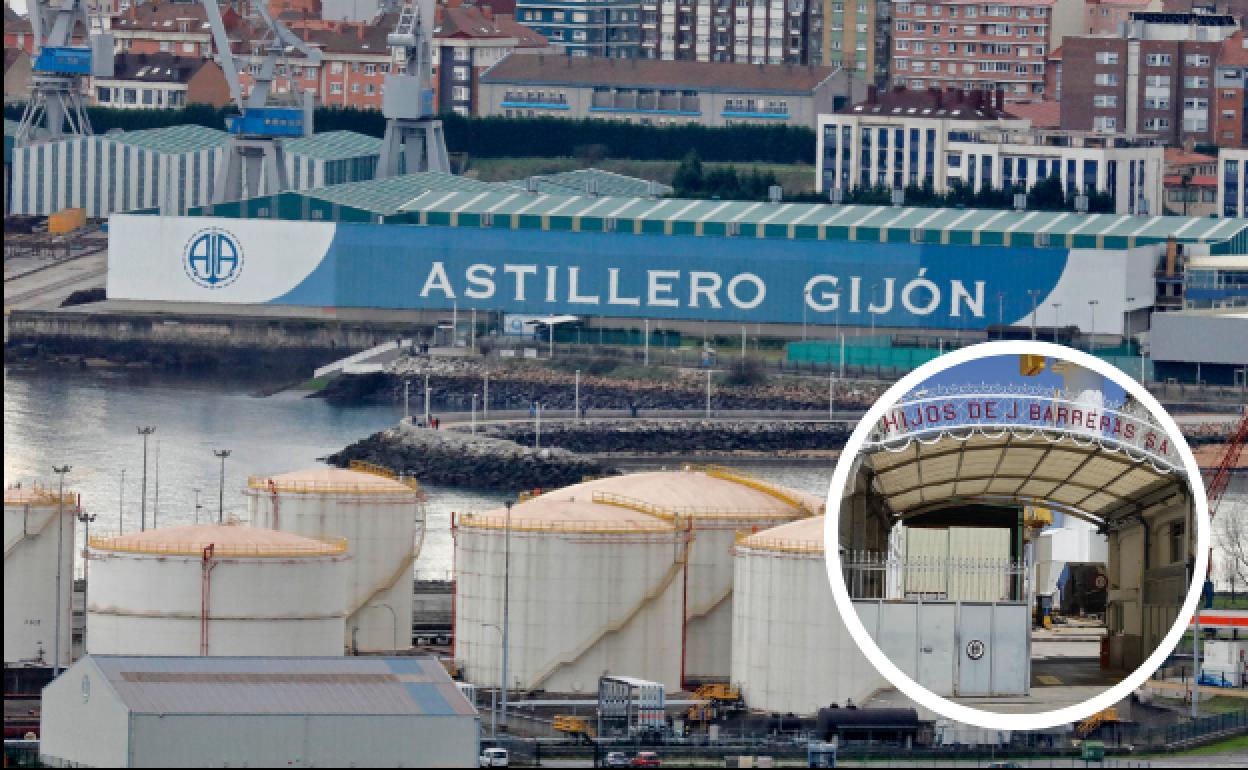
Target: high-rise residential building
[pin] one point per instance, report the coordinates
(750, 31)
(467, 41)
(973, 45)
(1105, 17)
(856, 35)
(1233, 183)
(608, 28)
(1230, 82)
(1155, 78)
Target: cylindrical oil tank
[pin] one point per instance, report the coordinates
(37, 523)
(790, 651)
(594, 588)
(718, 503)
(382, 519)
(216, 590)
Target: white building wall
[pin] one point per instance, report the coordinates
(82, 721)
(311, 740)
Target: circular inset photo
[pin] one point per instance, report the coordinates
(1021, 537)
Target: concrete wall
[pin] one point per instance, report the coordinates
(1207, 338)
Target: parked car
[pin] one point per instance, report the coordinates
(616, 759)
(495, 758)
(646, 759)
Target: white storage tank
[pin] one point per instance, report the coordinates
(383, 521)
(710, 505)
(790, 651)
(32, 533)
(718, 503)
(595, 589)
(216, 590)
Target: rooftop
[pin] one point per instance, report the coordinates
(1186, 18)
(815, 221)
(1234, 51)
(653, 73)
(801, 536)
(325, 478)
(226, 540)
(172, 139)
(580, 181)
(357, 686)
(1043, 114)
(931, 103)
(388, 194)
(334, 145)
(155, 67)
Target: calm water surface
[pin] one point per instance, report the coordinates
(88, 419)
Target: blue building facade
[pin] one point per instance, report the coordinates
(610, 28)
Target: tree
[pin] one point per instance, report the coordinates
(689, 176)
(1230, 540)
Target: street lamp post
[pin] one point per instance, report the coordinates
(1034, 294)
(121, 504)
(494, 695)
(473, 429)
(222, 454)
(1000, 315)
(576, 398)
(506, 606)
(85, 519)
(198, 507)
(1092, 303)
(1057, 309)
(485, 398)
(60, 547)
(144, 431)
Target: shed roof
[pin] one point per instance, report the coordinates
(349, 686)
(821, 221)
(579, 181)
(388, 194)
(334, 145)
(172, 139)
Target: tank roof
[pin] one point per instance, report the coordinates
(327, 479)
(37, 496)
(650, 500)
(801, 536)
(226, 540)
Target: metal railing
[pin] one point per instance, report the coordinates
(689, 511)
(748, 540)
(36, 495)
(873, 575)
(744, 479)
(317, 547)
(580, 527)
(268, 485)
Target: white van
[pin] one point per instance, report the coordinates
(494, 758)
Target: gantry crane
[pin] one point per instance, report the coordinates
(414, 140)
(254, 163)
(58, 67)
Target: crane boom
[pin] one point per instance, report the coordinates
(225, 57)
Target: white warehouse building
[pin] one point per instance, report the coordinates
(119, 711)
(172, 169)
(902, 138)
(32, 537)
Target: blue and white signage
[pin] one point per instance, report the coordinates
(543, 273)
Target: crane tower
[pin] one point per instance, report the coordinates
(414, 140)
(58, 67)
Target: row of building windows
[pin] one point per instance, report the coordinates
(1156, 59)
(974, 30)
(969, 68)
(973, 11)
(1022, 51)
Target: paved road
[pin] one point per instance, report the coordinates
(46, 289)
(1227, 760)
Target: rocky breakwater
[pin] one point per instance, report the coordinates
(452, 458)
(667, 437)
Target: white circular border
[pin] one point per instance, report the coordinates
(990, 719)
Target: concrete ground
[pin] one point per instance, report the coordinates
(29, 285)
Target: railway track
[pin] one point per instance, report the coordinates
(15, 299)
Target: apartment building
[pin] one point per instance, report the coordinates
(652, 92)
(467, 41)
(1230, 82)
(971, 45)
(753, 31)
(901, 138)
(1156, 78)
(1191, 182)
(609, 28)
(1106, 17)
(1233, 182)
(160, 26)
(857, 35)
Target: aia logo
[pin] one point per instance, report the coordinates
(213, 258)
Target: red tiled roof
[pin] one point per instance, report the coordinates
(1179, 156)
(1043, 114)
(934, 102)
(1200, 180)
(528, 37)
(1055, 54)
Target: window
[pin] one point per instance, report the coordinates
(1155, 81)
(369, 89)
(103, 95)
(1159, 60)
(1157, 124)
(1106, 57)
(335, 88)
(166, 46)
(902, 26)
(335, 68)
(1105, 100)
(1104, 123)
(370, 69)
(1196, 60)
(1107, 78)
(188, 48)
(1195, 81)
(1176, 542)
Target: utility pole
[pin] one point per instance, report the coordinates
(85, 519)
(1092, 303)
(198, 507)
(485, 399)
(646, 343)
(60, 547)
(708, 393)
(121, 504)
(1034, 294)
(156, 502)
(144, 431)
(474, 414)
(222, 454)
(1000, 315)
(576, 398)
(537, 424)
(472, 334)
(427, 401)
(1057, 309)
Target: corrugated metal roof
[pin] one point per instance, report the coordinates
(416, 686)
(820, 221)
(387, 195)
(172, 139)
(334, 145)
(578, 182)
(10, 127)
